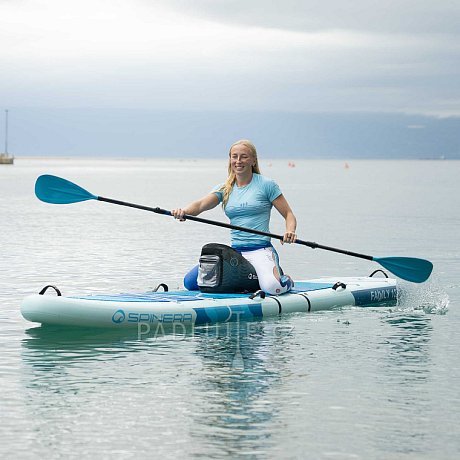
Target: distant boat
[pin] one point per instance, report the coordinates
(5, 158)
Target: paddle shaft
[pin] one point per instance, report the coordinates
(310, 244)
(53, 189)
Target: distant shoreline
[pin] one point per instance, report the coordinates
(197, 159)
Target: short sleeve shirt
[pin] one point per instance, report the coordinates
(250, 206)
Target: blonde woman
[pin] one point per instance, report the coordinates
(247, 198)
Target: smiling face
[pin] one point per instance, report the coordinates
(242, 160)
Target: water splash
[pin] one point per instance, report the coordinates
(429, 297)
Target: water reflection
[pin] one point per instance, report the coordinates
(405, 381)
(408, 345)
(212, 385)
(76, 359)
(238, 411)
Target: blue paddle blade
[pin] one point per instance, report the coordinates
(53, 189)
(407, 268)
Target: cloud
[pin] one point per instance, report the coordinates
(295, 56)
(374, 16)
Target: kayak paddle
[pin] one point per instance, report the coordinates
(56, 190)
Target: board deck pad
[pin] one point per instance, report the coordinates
(186, 296)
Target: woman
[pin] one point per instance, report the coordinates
(247, 198)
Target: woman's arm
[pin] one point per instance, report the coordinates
(197, 207)
(282, 206)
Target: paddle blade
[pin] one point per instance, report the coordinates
(407, 268)
(53, 189)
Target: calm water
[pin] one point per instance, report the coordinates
(353, 383)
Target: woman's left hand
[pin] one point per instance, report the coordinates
(289, 237)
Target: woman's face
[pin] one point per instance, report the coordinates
(241, 159)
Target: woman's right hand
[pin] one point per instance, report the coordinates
(178, 214)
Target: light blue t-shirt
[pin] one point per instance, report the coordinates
(250, 206)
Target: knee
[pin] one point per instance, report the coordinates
(273, 286)
(277, 287)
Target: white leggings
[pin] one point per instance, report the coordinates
(266, 263)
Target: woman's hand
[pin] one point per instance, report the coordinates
(289, 237)
(178, 214)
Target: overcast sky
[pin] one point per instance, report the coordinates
(329, 56)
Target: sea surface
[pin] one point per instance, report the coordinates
(353, 383)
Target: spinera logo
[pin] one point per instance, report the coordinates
(118, 317)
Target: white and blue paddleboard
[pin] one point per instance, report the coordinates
(197, 308)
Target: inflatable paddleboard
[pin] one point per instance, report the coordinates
(198, 308)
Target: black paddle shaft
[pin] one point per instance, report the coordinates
(310, 244)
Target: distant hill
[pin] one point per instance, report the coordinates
(119, 132)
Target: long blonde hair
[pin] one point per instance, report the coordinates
(227, 188)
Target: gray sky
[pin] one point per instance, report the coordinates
(329, 56)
